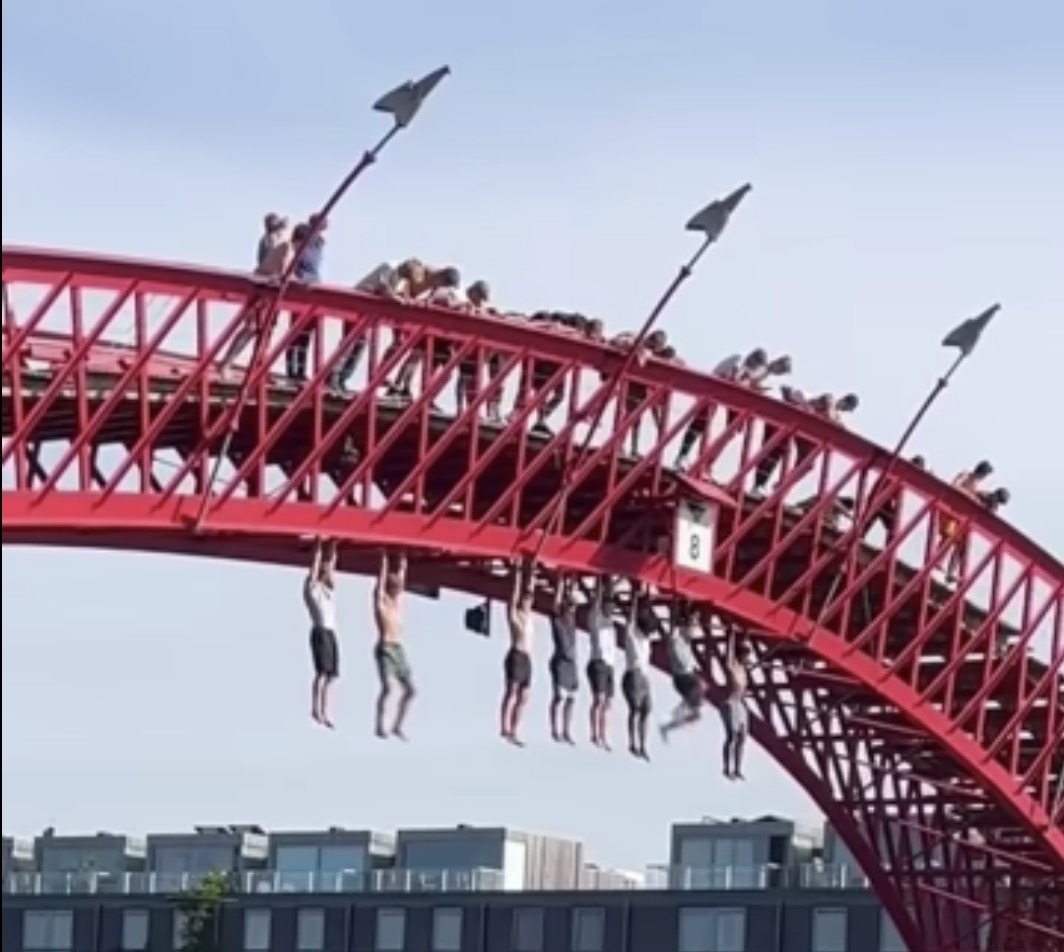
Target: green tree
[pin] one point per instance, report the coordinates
(200, 908)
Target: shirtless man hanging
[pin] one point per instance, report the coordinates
(971, 482)
(319, 595)
(601, 676)
(517, 668)
(564, 674)
(686, 673)
(635, 685)
(734, 713)
(393, 669)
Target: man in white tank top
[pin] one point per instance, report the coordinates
(635, 685)
(601, 675)
(686, 673)
(319, 595)
(517, 668)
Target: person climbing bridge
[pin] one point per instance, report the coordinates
(517, 666)
(950, 536)
(734, 713)
(393, 668)
(564, 673)
(308, 241)
(686, 672)
(273, 257)
(635, 684)
(601, 675)
(319, 596)
(440, 289)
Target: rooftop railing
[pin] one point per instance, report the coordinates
(256, 882)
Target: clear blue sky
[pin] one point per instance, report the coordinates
(906, 158)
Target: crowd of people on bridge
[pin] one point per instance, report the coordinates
(611, 622)
(623, 630)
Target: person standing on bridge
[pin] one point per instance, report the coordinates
(635, 685)
(601, 675)
(319, 595)
(309, 268)
(686, 673)
(393, 669)
(517, 667)
(734, 713)
(564, 674)
(950, 533)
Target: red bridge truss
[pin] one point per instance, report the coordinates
(926, 720)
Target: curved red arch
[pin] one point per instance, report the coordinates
(876, 638)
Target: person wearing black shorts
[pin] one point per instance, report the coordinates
(635, 685)
(517, 666)
(319, 595)
(600, 669)
(565, 679)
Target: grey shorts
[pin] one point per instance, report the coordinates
(736, 717)
(392, 664)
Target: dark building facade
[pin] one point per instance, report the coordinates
(750, 886)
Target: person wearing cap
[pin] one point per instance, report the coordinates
(273, 256)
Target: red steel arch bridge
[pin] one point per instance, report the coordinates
(925, 720)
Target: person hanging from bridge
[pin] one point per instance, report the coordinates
(272, 260)
(683, 638)
(734, 713)
(950, 534)
(308, 239)
(601, 674)
(393, 668)
(564, 673)
(517, 666)
(319, 595)
(635, 684)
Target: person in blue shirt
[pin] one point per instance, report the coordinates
(310, 237)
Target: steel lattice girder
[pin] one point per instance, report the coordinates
(926, 722)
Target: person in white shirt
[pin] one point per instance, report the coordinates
(319, 596)
(517, 667)
(686, 673)
(601, 674)
(635, 685)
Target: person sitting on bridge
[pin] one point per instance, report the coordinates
(274, 257)
(971, 483)
(635, 684)
(686, 672)
(517, 666)
(393, 668)
(601, 674)
(564, 674)
(401, 282)
(319, 595)
(308, 242)
(734, 713)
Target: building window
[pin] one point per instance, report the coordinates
(391, 930)
(447, 930)
(829, 930)
(135, 930)
(589, 930)
(310, 930)
(528, 930)
(258, 926)
(718, 863)
(51, 931)
(890, 939)
(712, 930)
